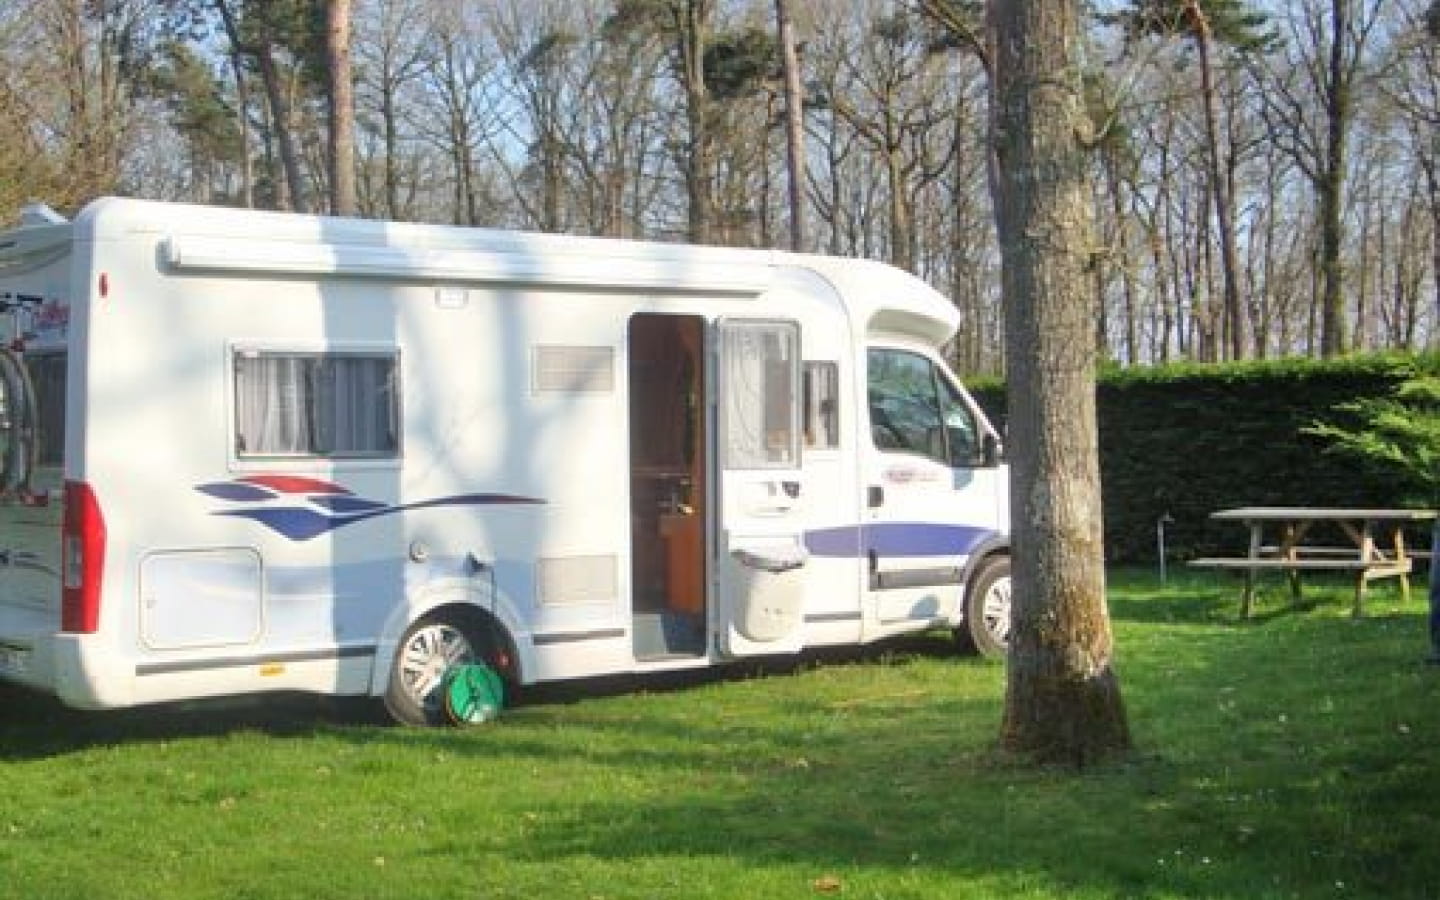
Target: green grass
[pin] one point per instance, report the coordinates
(1297, 755)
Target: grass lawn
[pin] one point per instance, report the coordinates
(1297, 755)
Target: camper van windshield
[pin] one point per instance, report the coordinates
(330, 404)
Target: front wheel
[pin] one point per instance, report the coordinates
(986, 628)
(430, 648)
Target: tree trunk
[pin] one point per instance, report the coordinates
(1431, 165)
(693, 18)
(391, 127)
(1115, 187)
(794, 123)
(294, 186)
(1332, 185)
(242, 102)
(242, 98)
(79, 153)
(1063, 703)
(342, 108)
(902, 245)
(1234, 315)
(289, 189)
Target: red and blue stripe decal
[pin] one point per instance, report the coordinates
(301, 508)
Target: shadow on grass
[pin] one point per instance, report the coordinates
(37, 726)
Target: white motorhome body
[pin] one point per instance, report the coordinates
(288, 452)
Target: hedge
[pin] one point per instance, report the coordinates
(1183, 441)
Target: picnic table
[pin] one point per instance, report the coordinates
(1278, 542)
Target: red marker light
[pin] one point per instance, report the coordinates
(104, 285)
(82, 559)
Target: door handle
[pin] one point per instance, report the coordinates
(875, 496)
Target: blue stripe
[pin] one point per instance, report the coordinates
(892, 539)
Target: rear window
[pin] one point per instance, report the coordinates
(47, 374)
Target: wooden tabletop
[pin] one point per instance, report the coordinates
(1315, 513)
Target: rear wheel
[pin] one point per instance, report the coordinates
(986, 628)
(430, 648)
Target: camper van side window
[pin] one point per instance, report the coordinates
(821, 413)
(760, 412)
(333, 405)
(915, 409)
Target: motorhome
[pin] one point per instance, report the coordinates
(249, 451)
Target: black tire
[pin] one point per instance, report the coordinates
(430, 648)
(986, 629)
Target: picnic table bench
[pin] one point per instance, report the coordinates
(1377, 546)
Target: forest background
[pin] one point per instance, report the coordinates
(1266, 175)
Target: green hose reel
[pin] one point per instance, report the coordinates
(473, 693)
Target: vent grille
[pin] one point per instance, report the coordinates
(577, 580)
(574, 370)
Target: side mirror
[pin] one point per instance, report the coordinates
(991, 453)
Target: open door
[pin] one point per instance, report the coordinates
(668, 487)
(760, 553)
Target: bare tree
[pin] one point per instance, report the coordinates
(1309, 99)
(28, 83)
(892, 107)
(102, 57)
(686, 26)
(1233, 200)
(392, 51)
(1205, 24)
(1063, 701)
(538, 48)
(458, 79)
(623, 155)
(1412, 83)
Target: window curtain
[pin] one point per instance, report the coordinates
(309, 405)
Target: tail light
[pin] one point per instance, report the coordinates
(82, 556)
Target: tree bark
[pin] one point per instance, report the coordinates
(1332, 186)
(293, 197)
(692, 19)
(1235, 331)
(794, 123)
(238, 51)
(342, 108)
(242, 103)
(1063, 703)
(289, 189)
(390, 126)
